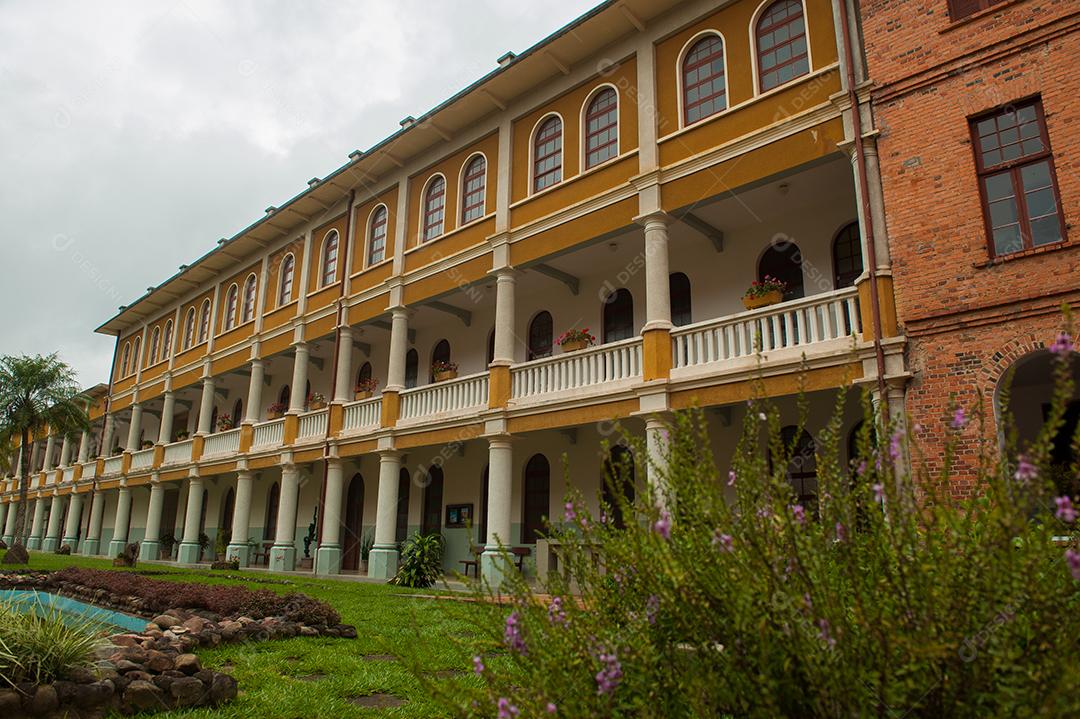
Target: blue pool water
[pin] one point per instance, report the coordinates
(40, 601)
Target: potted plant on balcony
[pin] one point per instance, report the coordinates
(574, 339)
(146, 444)
(182, 435)
(316, 400)
(365, 388)
(224, 423)
(763, 293)
(444, 370)
(276, 410)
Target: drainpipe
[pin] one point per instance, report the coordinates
(334, 363)
(864, 191)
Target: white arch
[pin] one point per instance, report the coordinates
(461, 186)
(228, 322)
(367, 233)
(254, 280)
(323, 256)
(680, 87)
(532, 150)
(765, 4)
(423, 207)
(281, 302)
(584, 151)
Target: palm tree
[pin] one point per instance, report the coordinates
(36, 393)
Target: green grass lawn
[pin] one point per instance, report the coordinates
(316, 677)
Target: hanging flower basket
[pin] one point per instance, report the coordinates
(768, 291)
(276, 411)
(316, 401)
(365, 388)
(443, 371)
(574, 339)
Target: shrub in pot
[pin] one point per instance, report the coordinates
(421, 561)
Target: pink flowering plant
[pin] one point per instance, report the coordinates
(443, 366)
(576, 335)
(762, 287)
(723, 592)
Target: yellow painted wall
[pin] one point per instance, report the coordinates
(318, 239)
(362, 225)
(273, 276)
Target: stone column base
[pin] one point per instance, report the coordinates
(150, 549)
(8, 539)
(282, 559)
(50, 544)
(90, 547)
(239, 552)
(33, 543)
(188, 553)
(328, 560)
(495, 566)
(383, 562)
(116, 547)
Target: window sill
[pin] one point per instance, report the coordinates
(976, 16)
(1023, 254)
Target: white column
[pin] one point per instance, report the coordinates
(495, 563)
(255, 387)
(656, 442)
(505, 331)
(206, 406)
(343, 386)
(9, 524)
(283, 553)
(93, 532)
(151, 547)
(52, 531)
(74, 520)
(65, 452)
(189, 546)
(657, 282)
(107, 436)
(34, 541)
(84, 447)
(120, 526)
(399, 347)
(50, 445)
(328, 555)
(168, 406)
(383, 560)
(238, 548)
(298, 397)
(134, 428)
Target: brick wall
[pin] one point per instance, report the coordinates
(969, 317)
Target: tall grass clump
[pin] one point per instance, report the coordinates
(726, 596)
(38, 644)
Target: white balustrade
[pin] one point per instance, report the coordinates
(113, 464)
(227, 442)
(89, 471)
(69, 475)
(362, 414)
(575, 370)
(312, 424)
(445, 397)
(142, 459)
(269, 434)
(177, 452)
(799, 323)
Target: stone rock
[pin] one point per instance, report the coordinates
(174, 673)
(93, 694)
(188, 691)
(10, 703)
(17, 554)
(309, 631)
(187, 663)
(126, 640)
(157, 662)
(229, 629)
(131, 654)
(65, 691)
(82, 675)
(43, 701)
(205, 676)
(144, 695)
(346, 631)
(138, 676)
(163, 682)
(124, 666)
(222, 689)
(195, 624)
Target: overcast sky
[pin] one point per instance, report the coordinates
(134, 135)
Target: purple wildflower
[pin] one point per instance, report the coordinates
(764, 512)
(512, 634)
(725, 542)
(841, 532)
(894, 445)
(652, 608)
(556, 613)
(798, 513)
(1063, 345)
(609, 675)
(823, 633)
(551, 708)
(1025, 470)
(731, 478)
(478, 664)
(1065, 510)
(861, 469)
(1072, 558)
(959, 418)
(879, 492)
(569, 515)
(506, 709)
(663, 525)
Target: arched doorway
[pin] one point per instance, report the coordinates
(537, 498)
(441, 354)
(618, 316)
(482, 523)
(401, 529)
(412, 368)
(783, 261)
(431, 520)
(227, 509)
(540, 336)
(681, 304)
(273, 497)
(802, 466)
(354, 523)
(619, 483)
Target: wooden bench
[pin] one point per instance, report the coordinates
(476, 551)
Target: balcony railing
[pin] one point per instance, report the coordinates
(445, 397)
(800, 323)
(268, 434)
(576, 370)
(69, 475)
(113, 464)
(312, 424)
(143, 459)
(177, 452)
(363, 414)
(227, 442)
(89, 470)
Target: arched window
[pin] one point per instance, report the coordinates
(619, 483)
(602, 127)
(537, 499)
(434, 208)
(213, 420)
(364, 374)
(482, 519)
(189, 329)
(136, 355)
(679, 288)
(441, 353)
(204, 322)
(431, 521)
(540, 331)
(704, 85)
(491, 346)
(474, 189)
(547, 154)
(166, 341)
(802, 466)
(377, 236)
(248, 313)
(284, 396)
(354, 523)
(232, 297)
(618, 316)
(288, 269)
(401, 525)
(412, 369)
(125, 360)
(228, 508)
(329, 258)
(781, 44)
(847, 256)
(783, 261)
(238, 412)
(155, 345)
(273, 498)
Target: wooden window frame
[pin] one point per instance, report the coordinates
(761, 29)
(434, 224)
(378, 226)
(687, 67)
(285, 282)
(329, 267)
(539, 139)
(611, 111)
(474, 199)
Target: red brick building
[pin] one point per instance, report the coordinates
(978, 108)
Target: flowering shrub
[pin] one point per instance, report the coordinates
(759, 288)
(316, 398)
(576, 335)
(443, 366)
(366, 385)
(224, 422)
(730, 597)
(277, 408)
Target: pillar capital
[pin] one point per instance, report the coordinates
(654, 220)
